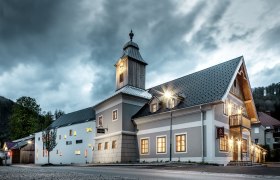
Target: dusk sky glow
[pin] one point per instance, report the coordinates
(62, 52)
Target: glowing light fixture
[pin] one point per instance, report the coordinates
(29, 142)
(167, 94)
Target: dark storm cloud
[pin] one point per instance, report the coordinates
(271, 39)
(157, 29)
(36, 32)
(205, 37)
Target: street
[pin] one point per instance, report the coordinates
(106, 173)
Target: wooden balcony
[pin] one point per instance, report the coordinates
(239, 120)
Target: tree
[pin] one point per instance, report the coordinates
(49, 140)
(25, 117)
(58, 113)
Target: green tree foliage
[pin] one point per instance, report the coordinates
(58, 113)
(267, 99)
(25, 117)
(49, 140)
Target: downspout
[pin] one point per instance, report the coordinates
(202, 135)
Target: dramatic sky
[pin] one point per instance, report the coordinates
(62, 52)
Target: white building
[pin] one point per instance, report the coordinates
(75, 139)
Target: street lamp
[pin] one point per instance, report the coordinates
(168, 97)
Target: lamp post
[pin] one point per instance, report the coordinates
(168, 96)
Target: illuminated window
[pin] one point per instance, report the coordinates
(145, 146)
(224, 143)
(99, 146)
(106, 145)
(100, 121)
(86, 153)
(244, 145)
(256, 130)
(171, 103)
(75, 133)
(77, 152)
(161, 144)
(121, 77)
(88, 129)
(115, 115)
(181, 143)
(65, 136)
(70, 132)
(89, 145)
(154, 107)
(114, 144)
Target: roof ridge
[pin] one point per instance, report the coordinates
(196, 72)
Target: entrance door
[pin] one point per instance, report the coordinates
(235, 151)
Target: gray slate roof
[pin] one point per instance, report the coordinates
(131, 49)
(202, 87)
(76, 117)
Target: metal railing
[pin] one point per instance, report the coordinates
(239, 120)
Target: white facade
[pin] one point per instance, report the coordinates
(79, 149)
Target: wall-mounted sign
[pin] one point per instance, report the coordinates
(220, 132)
(101, 130)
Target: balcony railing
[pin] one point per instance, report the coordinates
(239, 120)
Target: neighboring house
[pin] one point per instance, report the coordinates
(75, 139)
(267, 132)
(20, 151)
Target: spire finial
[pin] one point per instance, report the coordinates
(131, 35)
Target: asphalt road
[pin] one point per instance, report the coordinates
(116, 173)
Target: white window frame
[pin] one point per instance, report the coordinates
(98, 125)
(228, 148)
(113, 115)
(256, 130)
(165, 144)
(186, 143)
(148, 146)
(154, 104)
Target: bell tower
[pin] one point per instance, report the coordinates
(131, 67)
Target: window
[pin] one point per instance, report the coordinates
(65, 136)
(268, 140)
(234, 83)
(75, 133)
(115, 115)
(224, 143)
(106, 146)
(88, 129)
(145, 146)
(121, 77)
(70, 132)
(38, 138)
(203, 115)
(99, 146)
(59, 137)
(68, 142)
(57, 151)
(171, 103)
(244, 145)
(114, 144)
(256, 141)
(181, 143)
(86, 153)
(161, 144)
(77, 152)
(154, 107)
(79, 141)
(256, 130)
(100, 121)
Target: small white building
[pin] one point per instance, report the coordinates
(75, 139)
